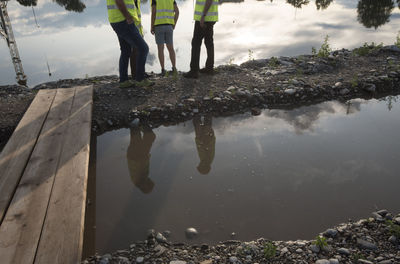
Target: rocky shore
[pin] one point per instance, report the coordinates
(372, 240)
(283, 82)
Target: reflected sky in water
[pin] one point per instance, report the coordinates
(77, 45)
(281, 175)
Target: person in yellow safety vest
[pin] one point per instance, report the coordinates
(205, 16)
(122, 15)
(139, 26)
(164, 15)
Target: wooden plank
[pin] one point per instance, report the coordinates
(62, 236)
(22, 225)
(15, 155)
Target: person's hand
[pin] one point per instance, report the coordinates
(129, 20)
(202, 22)
(152, 30)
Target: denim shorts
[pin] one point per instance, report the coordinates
(164, 34)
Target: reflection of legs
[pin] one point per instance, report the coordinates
(133, 62)
(172, 55)
(196, 46)
(209, 42)
(161, 55)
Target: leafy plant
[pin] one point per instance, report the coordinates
(356, 256)
(354, 82)
(273, 62)
(367, 49)
(397, 43)
(230, 62)
(269, 250)
(314, 51)
(251, 55)
(325, 49)
(394, 229)
(320, 242)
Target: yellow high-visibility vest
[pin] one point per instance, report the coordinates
(138, 23)
(165, 13)
(212, 14)
(115, 16)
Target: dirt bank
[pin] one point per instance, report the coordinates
(266, 83)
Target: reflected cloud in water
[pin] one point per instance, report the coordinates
(263, 171)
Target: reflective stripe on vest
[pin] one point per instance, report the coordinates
(165, 13)
(212, 14)
(138, 23)
(115, 15)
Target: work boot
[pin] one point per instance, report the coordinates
(209, 71)
(191, 74)
(144, 83)
(164, 73)
(126, 84)
(174, 73)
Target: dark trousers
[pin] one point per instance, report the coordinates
(198, 34)
(129, 37)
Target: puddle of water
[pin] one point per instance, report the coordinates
(281, 175)
(77, 45)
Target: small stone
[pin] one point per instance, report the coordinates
(382, 213)
(139, 259)
(338, 84)
(370, 88)
(363, 261)
(255, 111)
(208, 261)
(233, 259)
(191, 232)
(322, 261)
(344, 91)
(177, 262)
(333, 261)
(388, 261)
(299, 250)
(392, 239)
(315, 248)
(160, 238)
(217, 99)
(330, 232)
(195, 110)
(377, 217)
(166, 233)
(191, 100)
(396, 220)
(344, 251)
(206, 98)
(365, 244)
(284, 250)
(289, 91)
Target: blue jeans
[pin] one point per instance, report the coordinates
(129, 38)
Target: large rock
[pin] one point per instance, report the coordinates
(365, 244)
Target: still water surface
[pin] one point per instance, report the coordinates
(281, 175)
(76, 45)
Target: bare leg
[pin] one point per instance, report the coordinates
(171, 52)
(161, 55)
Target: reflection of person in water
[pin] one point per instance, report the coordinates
(138, 156)
(205, 142)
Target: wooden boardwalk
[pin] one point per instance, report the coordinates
(43, 179)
